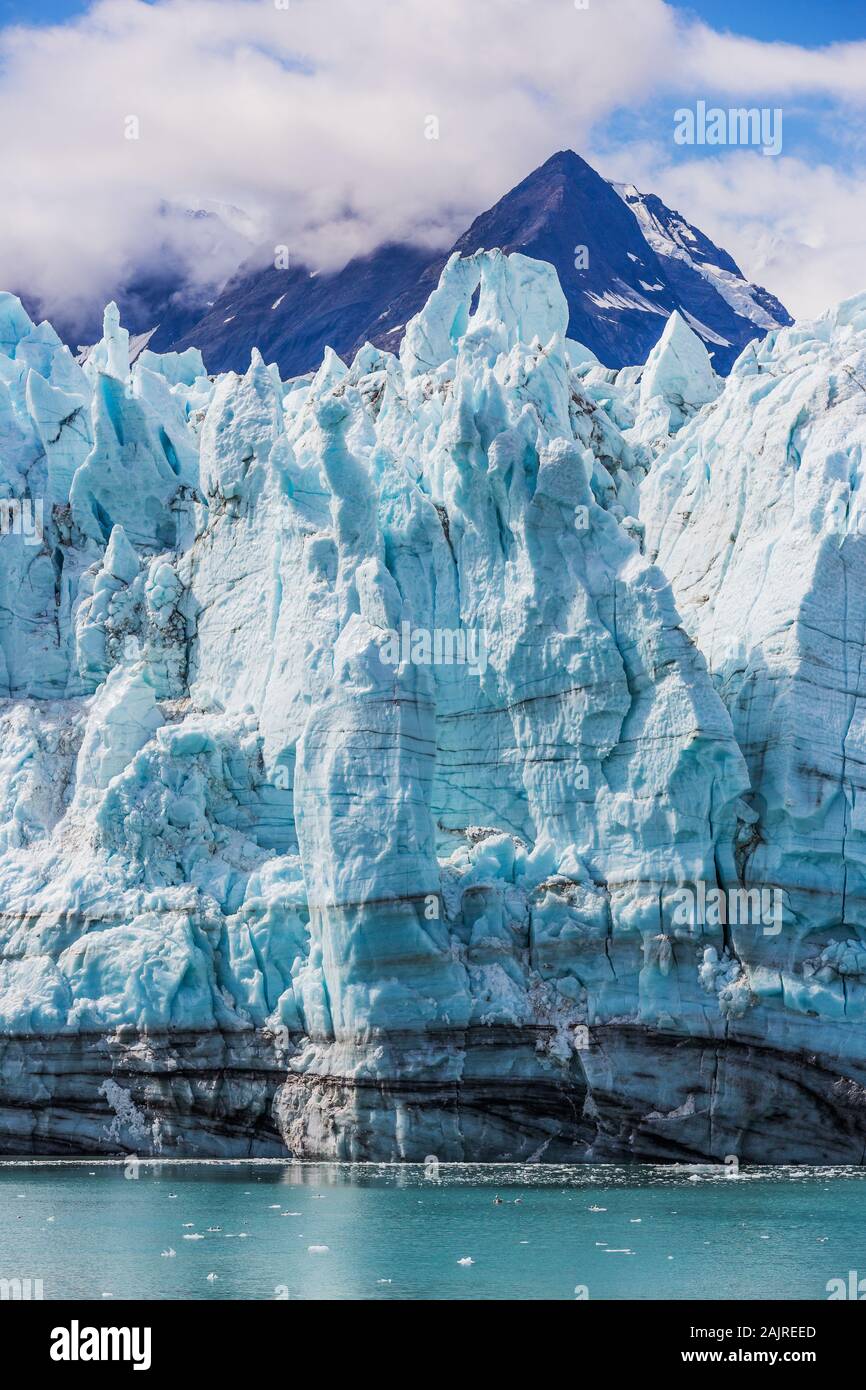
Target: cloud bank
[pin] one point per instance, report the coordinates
(312, 118)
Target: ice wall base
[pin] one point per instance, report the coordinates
(636, 1094)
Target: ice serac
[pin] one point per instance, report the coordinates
(353, 756)
(679, 374)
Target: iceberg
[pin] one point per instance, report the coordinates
(364, 736)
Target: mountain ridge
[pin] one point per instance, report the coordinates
(644, 261)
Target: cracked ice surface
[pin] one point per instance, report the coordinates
(272, 878)
(756, 515)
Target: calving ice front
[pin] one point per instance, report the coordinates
(337, 906)
(77, 1343)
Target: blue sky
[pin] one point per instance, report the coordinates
(808, 22)
(816, 130)
(811, 23)
(40, 12)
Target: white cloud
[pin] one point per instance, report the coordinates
(311, 119)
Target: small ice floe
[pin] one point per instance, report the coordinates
(275, 1206)
(601, 1242)
(695, 1177)
(635, 1220)
(213, 1229)
(171, 1196)
(595, 1208)
(611, 1251)
(194, 1237)
(467, 1260)
(383, 1281)
(242, 1235)
(497, 1200)
(169, 1254)
(317, 1249)
(212, 1278)
(318, 1196)
(51, 1218)
(820, 1239)
(188, 1225)
(291, 1213)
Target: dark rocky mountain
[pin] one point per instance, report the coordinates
(625, 262)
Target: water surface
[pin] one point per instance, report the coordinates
(96, 1230)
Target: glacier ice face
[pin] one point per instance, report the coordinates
(354, 758)
(755, 513)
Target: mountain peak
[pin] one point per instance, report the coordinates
(624, 260)
(564, 161)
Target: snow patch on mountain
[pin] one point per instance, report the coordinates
(671, 236)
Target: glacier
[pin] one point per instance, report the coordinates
(364, 738)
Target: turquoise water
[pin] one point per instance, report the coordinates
(94, 1231)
